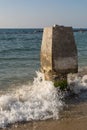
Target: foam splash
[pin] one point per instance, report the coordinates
(39, 101)
(77, 83)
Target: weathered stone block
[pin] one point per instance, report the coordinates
(58, 53)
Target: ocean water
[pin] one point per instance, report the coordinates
(19, 55)
(81, 42)
(23, 95)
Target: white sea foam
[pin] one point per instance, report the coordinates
(38, 101)
(77, 83)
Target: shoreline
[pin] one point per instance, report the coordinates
(64, 124)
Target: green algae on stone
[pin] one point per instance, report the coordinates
(62, 84)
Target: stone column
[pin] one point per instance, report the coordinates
(58, 54)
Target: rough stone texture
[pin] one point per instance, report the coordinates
(58, 53)
(46, 52)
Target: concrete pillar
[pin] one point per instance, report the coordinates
(58, 53)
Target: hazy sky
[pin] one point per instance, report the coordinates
(41, 13)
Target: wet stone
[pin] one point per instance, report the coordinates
(58, 53)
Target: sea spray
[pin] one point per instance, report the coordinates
(77, 83)
(38, 101)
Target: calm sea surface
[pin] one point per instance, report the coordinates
(20, 54)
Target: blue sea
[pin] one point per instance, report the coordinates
(23, 96)
(19, 55)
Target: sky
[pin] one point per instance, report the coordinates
(42, 13)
